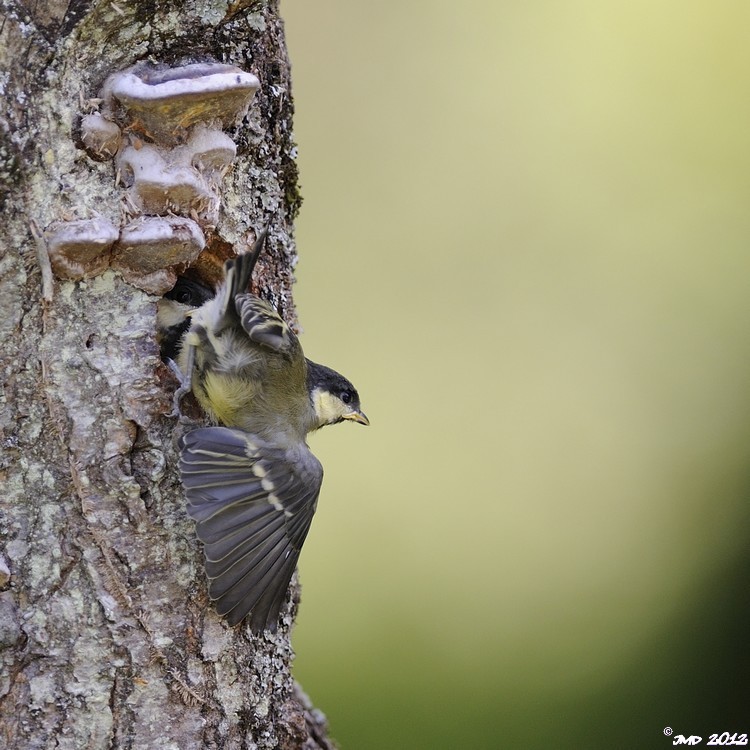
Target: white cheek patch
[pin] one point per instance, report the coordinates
(327, 407)
(170, 313)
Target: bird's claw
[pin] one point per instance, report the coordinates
(179, 393)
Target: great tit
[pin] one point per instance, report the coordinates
(173, 314)
(252, 485)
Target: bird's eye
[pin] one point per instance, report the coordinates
(185, 297)
(346, 397)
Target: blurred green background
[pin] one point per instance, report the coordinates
(525, 239)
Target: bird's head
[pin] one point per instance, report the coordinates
(333, 398)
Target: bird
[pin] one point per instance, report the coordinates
(173, 314)
(251, 482)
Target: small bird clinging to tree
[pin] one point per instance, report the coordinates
(252, 485)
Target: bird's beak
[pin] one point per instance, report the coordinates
(357, 416)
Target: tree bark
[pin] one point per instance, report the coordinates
(107, 638)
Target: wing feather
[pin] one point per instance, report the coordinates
(271, 598)
(253, 503)
(264, 325)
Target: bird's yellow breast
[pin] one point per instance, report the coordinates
(226, 397)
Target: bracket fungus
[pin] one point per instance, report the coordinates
(157, 187)
(80, 249)
(150, 247)
(153, 242)
(171, 162)
(210, 150)
(164, 102)
(100, 136)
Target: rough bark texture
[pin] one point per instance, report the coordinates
(107, 639)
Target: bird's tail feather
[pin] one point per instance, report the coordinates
(242, 266)
(238, 272)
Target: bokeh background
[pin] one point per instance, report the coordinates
(525, 239)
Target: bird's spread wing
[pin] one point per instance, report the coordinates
(253, 503)
(263, 324)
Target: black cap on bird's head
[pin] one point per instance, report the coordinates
(333, 397)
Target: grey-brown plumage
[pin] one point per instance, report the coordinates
(253, 503)
(252, 486)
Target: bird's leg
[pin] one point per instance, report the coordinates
(186, 383)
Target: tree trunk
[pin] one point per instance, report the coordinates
(107, 637)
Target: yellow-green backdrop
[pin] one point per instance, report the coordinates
(525, 238)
